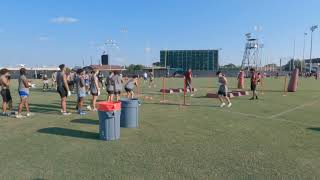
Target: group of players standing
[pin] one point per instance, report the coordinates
(90, 84)
(84, 83)
(81, 83)
(23, 90)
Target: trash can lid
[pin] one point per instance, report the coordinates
(109, 106)
(128, 100)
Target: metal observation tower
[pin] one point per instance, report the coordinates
(251, 53)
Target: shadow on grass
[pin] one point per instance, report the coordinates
(69, 103)
(86, 121)
(69, 133)
(49, 108)
(45, 108)
(314, 129)
(46, 91)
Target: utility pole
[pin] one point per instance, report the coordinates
(304, 47)
(294, 54)
(280, 65)
(312, 29)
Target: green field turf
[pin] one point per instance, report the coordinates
(276, 137)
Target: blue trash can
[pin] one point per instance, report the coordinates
(109, 120)
(129, 113)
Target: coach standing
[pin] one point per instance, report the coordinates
(188, 81)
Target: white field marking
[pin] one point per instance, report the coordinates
(295, 108)
(269, 118)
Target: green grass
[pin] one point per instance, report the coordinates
(252, 140)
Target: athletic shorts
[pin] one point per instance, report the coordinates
(23, 94)
(253, 87)
(128, 90)
(222, 91)
(81, 94)
(110, 92)
(94, 94)
(117, 92)
(6, 95)
(62, 91)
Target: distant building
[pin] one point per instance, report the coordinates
(198, 60)
(314, 61)
(315, 64)
(108, 67)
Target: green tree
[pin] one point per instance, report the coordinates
(156, 64)
(134, 67)
(292, 64)
(230, 67)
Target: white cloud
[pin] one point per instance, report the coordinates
(64, 20)
(43, 38)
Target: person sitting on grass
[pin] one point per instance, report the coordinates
(80, 90)
(5, 91)
(223, 90)
(254, 81)
(110, 87)
(24, 85)
(130, 85)
(117, 81)
(94, 88)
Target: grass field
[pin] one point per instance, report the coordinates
(276, 137)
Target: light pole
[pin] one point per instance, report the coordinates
(219, 57)
(109, 44)
(313, 28)
(294, 55)
(304, 47)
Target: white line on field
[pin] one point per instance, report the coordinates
(263, 117)
(295, 108)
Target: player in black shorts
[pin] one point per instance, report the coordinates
(63, 89)
(5, 91)
(223, 90)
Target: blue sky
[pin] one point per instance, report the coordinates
(50, 32)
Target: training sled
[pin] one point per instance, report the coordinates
(167, 91)
(176, 90)
(193, 90)
(243, 93)
(293, 83)
(230, 94)
(215, 95)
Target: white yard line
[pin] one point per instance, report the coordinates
(295, 108)
(263, 117)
